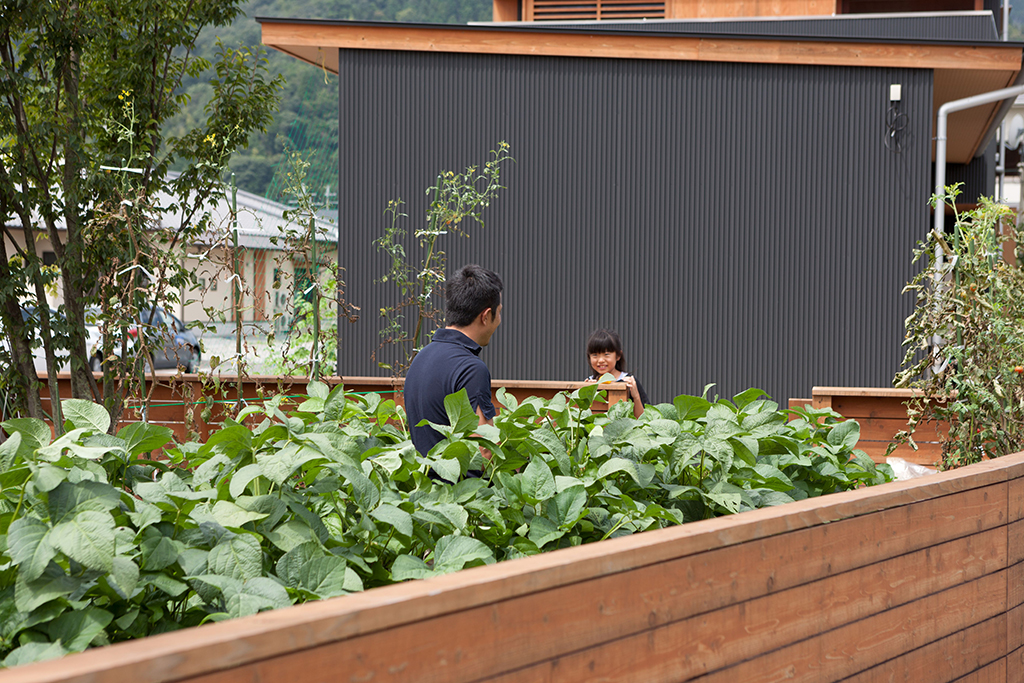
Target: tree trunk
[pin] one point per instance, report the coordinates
(24, 377)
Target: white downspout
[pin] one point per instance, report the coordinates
(940, 179)
(940, 143)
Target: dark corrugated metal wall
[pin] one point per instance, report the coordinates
(978, 177)
(738, 224)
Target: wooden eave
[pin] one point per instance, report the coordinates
(961, 69)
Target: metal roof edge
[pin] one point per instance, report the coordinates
(532, 27)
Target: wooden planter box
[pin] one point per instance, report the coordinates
(909, 581)
(881, 413)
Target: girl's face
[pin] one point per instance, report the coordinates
(604, 362)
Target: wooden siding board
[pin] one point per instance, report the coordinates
(961, 654)
(851, 649)
(740, 630)
(992, 673)
(1016, 495)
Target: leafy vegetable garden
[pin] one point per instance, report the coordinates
(101, 545)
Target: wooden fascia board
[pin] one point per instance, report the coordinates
(299, 38)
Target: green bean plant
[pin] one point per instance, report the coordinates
(100, 542)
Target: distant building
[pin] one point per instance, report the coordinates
(739, 196)
(266, 269)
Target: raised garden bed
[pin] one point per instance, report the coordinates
(881, 413)
(917, 580)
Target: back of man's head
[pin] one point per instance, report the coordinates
(468, 293)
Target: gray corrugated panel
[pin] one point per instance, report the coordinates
(978, 177)
(952, 26)
(738, 224)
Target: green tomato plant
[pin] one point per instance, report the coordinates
(457, 198)
(965, 339)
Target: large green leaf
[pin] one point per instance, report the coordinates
(158, 552)
(334, 404)
(86, 537)
(291, 534)
(567, 507)
(691, 407)
(77, 628)
(279, 466)
(241, 479)
(68, 500)
(446, 515)
(408, 567)
(845, 435)
(550, 442)
(365, 491)
(233, 441)
(124, 577)
(452, 553)
(289, 567)
(29, 546)
(34, 434)
(538, 482)
(54, 583)
(256, 595)
(641, 473)
(226, 513)
(85, 415)
(461, 415)
(543, 531)
(395, 517)
(9, 451)
(34, 652)
(142, 437)
(328, 576)
(239, 557)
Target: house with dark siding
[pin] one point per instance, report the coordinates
(738, 196)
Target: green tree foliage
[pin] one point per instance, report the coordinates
(308, 118)
(99, 546)
(88, 84)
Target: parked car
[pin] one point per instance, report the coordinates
(29, 315)
(169, 342)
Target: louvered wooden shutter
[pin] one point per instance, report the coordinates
(549, 10)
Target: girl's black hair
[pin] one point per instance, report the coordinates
(603, 341)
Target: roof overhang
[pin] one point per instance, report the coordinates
(961, 69)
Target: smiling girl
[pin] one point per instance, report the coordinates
(605, 357)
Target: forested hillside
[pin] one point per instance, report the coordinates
(308, 118)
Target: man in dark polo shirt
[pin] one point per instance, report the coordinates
(451, 361)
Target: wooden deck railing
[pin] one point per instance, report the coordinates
(909, 581)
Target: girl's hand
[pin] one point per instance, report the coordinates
(631, 383)
(634, 393)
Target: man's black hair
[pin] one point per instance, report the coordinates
(603, 341)
(470, 292)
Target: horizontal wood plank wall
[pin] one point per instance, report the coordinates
(881, 413)
(178, 402)
(914, 581)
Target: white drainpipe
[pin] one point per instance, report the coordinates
(940, 178)
(940, 144)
